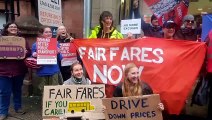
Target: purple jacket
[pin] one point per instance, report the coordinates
(12, 68)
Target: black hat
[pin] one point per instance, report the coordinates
(169, 23)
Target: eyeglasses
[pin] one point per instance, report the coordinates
(12, 27)
(189, 21)
(170, 26)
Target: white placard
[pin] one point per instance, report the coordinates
(51, 61)
(132, 25)
(50, 12)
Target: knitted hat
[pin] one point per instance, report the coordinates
(188, 17)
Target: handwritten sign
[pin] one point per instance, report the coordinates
(61, 99)
(47, 51)
(12, 47)
(132, 25)
(133, 108)
(68, 51)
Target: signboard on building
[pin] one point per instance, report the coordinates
(50, 12)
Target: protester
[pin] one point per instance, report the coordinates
(132, 85)
(209, 72)
(47, 74)
(64, 37)
(187, 30)
(169, 29)
(153, 29)
(105, 29)
(12, 73)
(77, 77)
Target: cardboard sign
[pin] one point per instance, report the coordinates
(12, 47)
(61, 99)
(46, 51)
(68, 51)
(133, 108)
(133, 26)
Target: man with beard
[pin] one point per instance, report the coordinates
(64, 37)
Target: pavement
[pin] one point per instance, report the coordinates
(33, 107)
(32, 104)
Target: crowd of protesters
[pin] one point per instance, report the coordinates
(12, 72)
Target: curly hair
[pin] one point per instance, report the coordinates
(5, 31)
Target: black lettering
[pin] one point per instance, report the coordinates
(79, 89)
(144, 103)
(51, 91)
(122, 104)
(95, 91)
(153, 113)
(90, 93)
(58, 93)
(84, 93)
(68, 93)
(114, 104)
(136, 103)
(148, 114)
(103, 94)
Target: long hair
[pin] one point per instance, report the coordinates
(127, 85)
(5, 31)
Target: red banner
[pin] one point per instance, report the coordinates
(170, 67)
(169, 9)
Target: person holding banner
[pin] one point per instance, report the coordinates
(12, 73)
(153, 29)
(77, 77)
(169, 29)
(47, 74)
(106, 28)
(187, 30)
(64, 37)
(132, 85)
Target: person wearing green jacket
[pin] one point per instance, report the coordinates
(106, 28)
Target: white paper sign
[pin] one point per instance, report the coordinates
(44, 61)
(132, 25)
(50, 12)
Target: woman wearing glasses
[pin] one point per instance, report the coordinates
(12, 73)
(187, 30)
